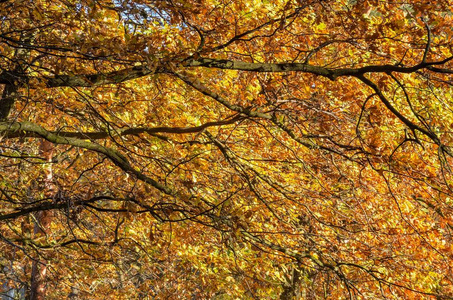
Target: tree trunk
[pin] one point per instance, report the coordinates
(43, 219)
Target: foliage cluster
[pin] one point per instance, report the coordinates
(218, 149)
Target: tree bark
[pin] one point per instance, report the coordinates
(7, 100)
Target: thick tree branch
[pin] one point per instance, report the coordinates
(259, 67)
(90, 80)
(125, 132)
(50, 206)
(116, 157)
(101, 79)
(307, 68)
(87, 80)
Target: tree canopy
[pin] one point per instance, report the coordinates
(211, 149)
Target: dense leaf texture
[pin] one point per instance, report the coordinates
(226, 149)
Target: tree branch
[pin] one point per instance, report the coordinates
(196, 84)
(402, 118)
(116, 157)
(50, 206)
(125, 132)
(91, 80)
(307, 68)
